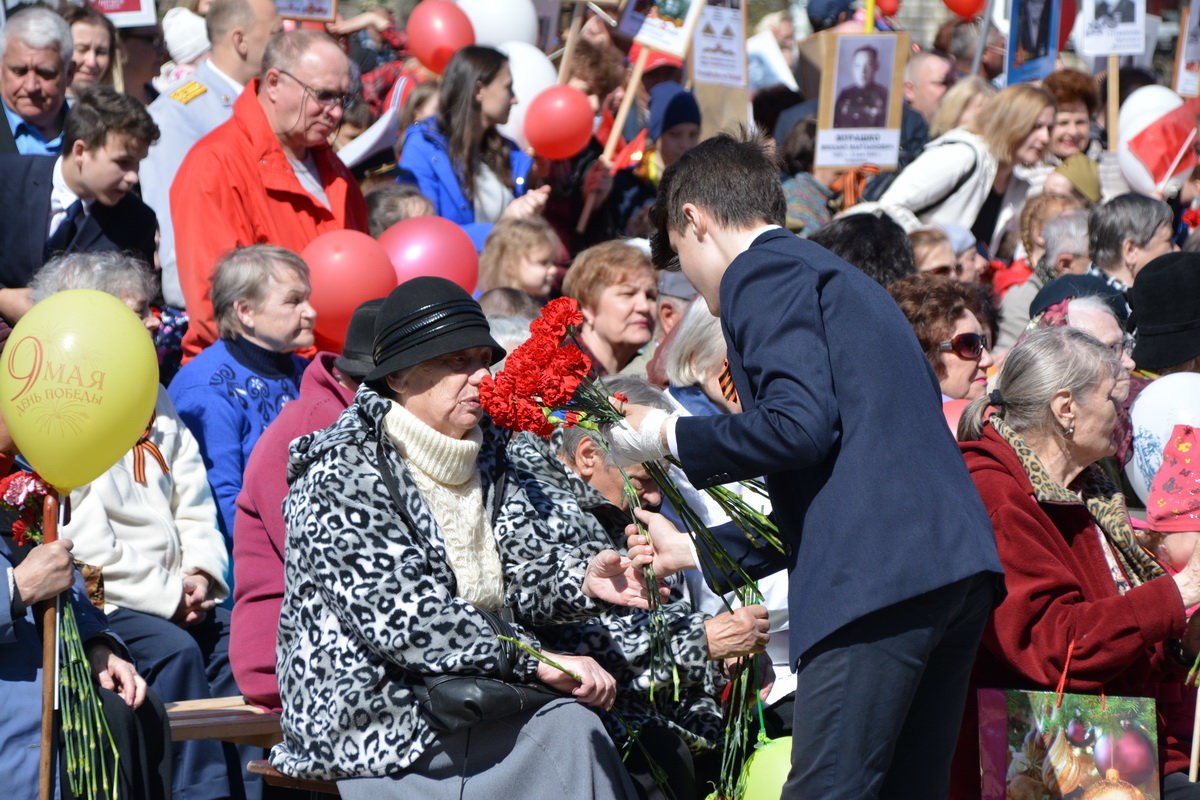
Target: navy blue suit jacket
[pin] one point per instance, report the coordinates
(842, 413)
(25, 185)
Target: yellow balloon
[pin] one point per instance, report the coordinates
(78, 380)
(767, 769)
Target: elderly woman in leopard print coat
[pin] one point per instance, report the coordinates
(404, 520)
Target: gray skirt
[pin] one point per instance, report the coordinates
(559, 750)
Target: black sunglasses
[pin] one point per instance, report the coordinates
(967, 346)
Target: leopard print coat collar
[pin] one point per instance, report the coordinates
(1098, 494)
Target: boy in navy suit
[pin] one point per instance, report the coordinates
(80, 202)
(892, 564)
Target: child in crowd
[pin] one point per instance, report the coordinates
(519, 254)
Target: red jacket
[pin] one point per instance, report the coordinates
(237, 188)
(1060, 590)
(260, 533)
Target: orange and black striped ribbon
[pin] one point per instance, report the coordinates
(144, 446)
(725, 380)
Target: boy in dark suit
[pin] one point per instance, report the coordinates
(892, 565)
(79, 202)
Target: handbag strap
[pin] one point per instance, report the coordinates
(508, 651)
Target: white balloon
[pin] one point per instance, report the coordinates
(497, 21)
(1168, 401)
(532, 74)
(1143, 107)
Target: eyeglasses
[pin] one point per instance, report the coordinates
(1124, 346)
(967, 346)
(323, 98)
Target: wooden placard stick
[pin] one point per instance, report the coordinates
(1114, 100)
(49, 615)
(564, 66)
(1195, 767)
(614, 136)
(870, 26)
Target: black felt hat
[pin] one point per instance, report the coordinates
(424, 318)
(1166, 311)
(356, 359)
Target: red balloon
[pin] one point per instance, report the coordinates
(967, 9)
(432, 246)
(558, 123)
(888, 7)
(346, 269)
(437, 29)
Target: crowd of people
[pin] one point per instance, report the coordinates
(930, 369)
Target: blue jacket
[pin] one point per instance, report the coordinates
(841, 412)
(21, 680)
(426, 159)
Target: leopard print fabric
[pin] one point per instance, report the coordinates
(1099, 495)
(370, 600)
(619, 638)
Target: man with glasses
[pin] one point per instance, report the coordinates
(267, 176)
(185, 113)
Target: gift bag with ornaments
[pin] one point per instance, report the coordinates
(1035, 745)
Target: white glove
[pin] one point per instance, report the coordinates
(647, 443)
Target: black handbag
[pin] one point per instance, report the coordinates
(452, 703)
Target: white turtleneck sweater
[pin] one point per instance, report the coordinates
(445, 471)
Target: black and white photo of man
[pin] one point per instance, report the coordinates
(863, 104)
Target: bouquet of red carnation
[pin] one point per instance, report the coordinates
(539, 377)
(25, 493)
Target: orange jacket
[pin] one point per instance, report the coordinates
(237, 188)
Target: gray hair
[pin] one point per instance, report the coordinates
(638, 390)
(1044, 362)
(696, 348)
(114, 273)
(1067, 233)
(286, 48)
(244, 275)
(1093, 303)
(39, 28)
(1127, 216)
(510, 333)
(965, 39)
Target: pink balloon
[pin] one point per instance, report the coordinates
(432, 246)
(346, 269)
(558, 123)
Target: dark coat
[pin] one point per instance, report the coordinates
(841, 412)
(25, 186)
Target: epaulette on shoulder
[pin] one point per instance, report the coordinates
(188, 92)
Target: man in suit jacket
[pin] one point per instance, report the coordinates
(79, 202)
(892, 564)
(35, 48)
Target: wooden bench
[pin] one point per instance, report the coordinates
(231, 719)
(276, 778)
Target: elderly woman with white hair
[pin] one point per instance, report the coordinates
(1080, 589)
(149, 524)
(233, 390)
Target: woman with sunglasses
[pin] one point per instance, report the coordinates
(1084, 602)
(459, 159)
(947, 317)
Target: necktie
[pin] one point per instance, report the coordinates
(62, 237)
